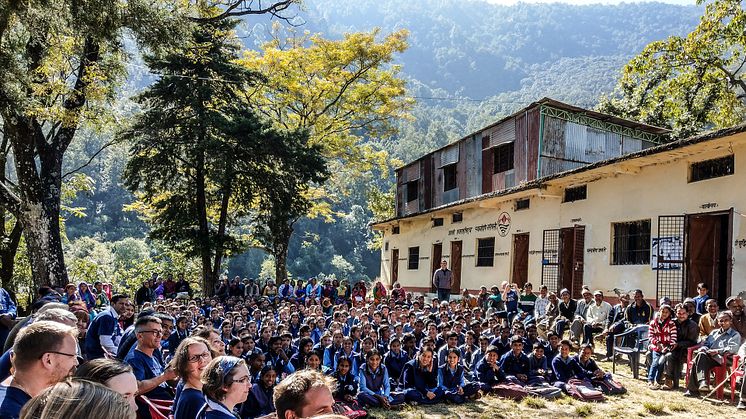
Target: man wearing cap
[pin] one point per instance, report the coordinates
(735, 305)
(443, 281)
(713, 352)
(596, 316)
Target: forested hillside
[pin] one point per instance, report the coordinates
(468, 63)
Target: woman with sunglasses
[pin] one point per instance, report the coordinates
(190, 360)
(225, 384)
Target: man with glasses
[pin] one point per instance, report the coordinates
(104, 334)
(44, 354)
(715, 349)
(149, 369)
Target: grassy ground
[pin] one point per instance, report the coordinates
(638, 402)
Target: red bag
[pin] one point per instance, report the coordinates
(608, 386)
(583, 390)
(509, 391)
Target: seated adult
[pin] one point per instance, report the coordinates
(43, 355)
(191, 358)
(420, 379)
(566, 309)
(225, 384)
(742, 397)
(112, 373)
(104, 332)
(713, 352)
(149, 369)
(77, 399)
(687, 335)
(596, 316)
(708, 321)
(304, 394)
(662, 340)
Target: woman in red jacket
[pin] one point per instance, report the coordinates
(662, 341)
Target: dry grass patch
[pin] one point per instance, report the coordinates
(654, 408)
(534, 402)
(584, 410)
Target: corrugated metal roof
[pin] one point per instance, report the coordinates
(660, 149)
(560, 105)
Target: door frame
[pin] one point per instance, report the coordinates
(722, 294)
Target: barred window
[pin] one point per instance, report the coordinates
(413, 261)
(457, 217)
(631, 243)
(437, 222)
(486, 252)
(709, 169)
(577, 193)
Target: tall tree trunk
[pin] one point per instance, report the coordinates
(280, 246)
(208, 280)
(222, 223)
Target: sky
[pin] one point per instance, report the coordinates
(583, 2)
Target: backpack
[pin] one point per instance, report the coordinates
(544, 391)
(583, 390)
(509, 391)
(608, 386)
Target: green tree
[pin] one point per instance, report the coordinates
(689, 83)
(60, 63)
(200, 157)
(338, 91)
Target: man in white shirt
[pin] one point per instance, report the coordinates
(596, 316)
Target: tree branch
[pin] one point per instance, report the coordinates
(241, 8)
(90, 160)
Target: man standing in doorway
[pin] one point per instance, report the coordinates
(443, 281)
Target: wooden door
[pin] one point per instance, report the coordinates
(567, 248)
(520, 259)
(456, 266)
(437, 257)
(708, 254)
(394, 265)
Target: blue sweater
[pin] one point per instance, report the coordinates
(413, 376)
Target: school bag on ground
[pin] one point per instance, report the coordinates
(583, 390)
(545, 391)
(608, 386)
(509, 391)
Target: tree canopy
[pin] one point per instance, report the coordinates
(689, 83)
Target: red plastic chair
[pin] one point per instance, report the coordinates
(734, 377)
(721, 372)
(159, 409)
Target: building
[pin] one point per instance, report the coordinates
(563, 196)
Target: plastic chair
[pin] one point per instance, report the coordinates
(733, 378)
(720, 372)
(159, 409)
(632, 343)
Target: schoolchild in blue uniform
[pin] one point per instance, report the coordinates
(373, 379)
(259, 401)
(420, 379)
(451, 379)
(394, 360)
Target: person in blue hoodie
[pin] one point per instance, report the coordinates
(451, 380)
(420, 379)
(260, 402)
(373, 379)
(394, 360)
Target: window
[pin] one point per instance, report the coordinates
(457, 217)
(395, 230)
(709, 169)
(414, 258)
(522, 204)
(575, 194)
(504, 157)
(386, 246)
(486, 252)
(631, 243)
(437, 222)
(412, 191)
(449, 177)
